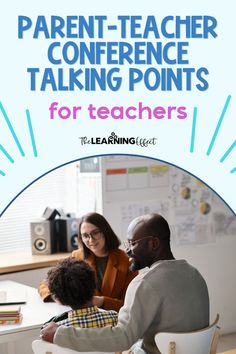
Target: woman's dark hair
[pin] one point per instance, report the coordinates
(72, 282)
(112, 242)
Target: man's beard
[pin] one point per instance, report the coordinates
(136, 265)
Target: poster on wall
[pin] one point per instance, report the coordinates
(82, 79)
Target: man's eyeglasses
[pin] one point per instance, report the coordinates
(94, 235)
(128, 244)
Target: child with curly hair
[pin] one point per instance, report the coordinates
(72, 283)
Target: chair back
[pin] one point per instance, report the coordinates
(196, 342)
(42, 347)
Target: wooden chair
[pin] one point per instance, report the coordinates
(42, 347)
(203, 341)
(215, 340)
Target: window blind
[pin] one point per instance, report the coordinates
(50, 191)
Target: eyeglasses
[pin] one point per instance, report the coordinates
(129, 243)
(94, 235)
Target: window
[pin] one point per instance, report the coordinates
(58, 189)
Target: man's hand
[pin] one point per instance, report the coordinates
(47, 333)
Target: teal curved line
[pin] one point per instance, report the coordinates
(218, 125)
(11, 129)
(233, 170)
(193, 129)
(6, 154)
(31, 133)
(2, 173)
(228, 151)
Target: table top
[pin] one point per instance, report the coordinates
(35, 312)
(15, 261)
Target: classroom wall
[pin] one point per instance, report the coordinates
(205, 237)
(217, 263)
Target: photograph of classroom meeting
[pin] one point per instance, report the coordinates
(103, 254)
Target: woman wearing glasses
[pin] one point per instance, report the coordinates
(99, 247)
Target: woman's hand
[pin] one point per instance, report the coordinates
(98, 301)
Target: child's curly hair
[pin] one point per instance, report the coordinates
(72, 282)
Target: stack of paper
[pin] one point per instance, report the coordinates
(10, 314)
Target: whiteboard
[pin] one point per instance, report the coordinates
(132, 186)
